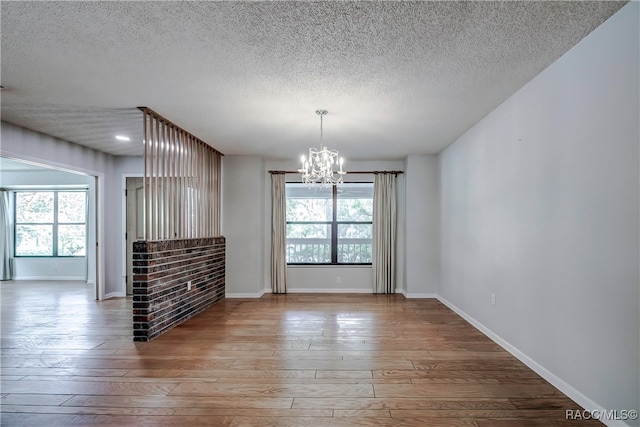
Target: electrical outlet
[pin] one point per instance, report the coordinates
(338, 279)
(189, 285)
(493, 299)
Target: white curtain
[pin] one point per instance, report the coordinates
(384, 233)
(278, 244)
(5, 237)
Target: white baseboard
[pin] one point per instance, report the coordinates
(329, 291)
(323, 291)
(115, 295)
(413, 295)
(244, 294)
(51, 278)
(553, 379)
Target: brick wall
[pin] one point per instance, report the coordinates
(161, 272)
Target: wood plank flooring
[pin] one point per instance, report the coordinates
(281, 360)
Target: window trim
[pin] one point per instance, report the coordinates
(334, 223)
(54, 225)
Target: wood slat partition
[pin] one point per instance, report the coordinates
(181, 182)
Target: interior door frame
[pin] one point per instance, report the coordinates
(125, 264)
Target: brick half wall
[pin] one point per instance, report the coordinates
(161, 273)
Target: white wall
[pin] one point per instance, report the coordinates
(24, 144)
(329, 278)
(243, 224)
(540, 205)
(422, 260)
(49, 269)
(246, 223)
(34, 268)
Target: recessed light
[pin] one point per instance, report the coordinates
(122, 138)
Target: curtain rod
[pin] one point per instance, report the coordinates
(274, 172)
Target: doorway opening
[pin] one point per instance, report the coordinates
(134, 222)
(50, 237)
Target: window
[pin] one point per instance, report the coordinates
(329, 225)
(50, 223)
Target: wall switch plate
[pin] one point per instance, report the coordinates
(338, 279)
(493, 299)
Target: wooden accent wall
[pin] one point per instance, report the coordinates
(161, 272)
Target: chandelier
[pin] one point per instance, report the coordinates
(319, 167)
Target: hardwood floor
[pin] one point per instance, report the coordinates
(287, 360)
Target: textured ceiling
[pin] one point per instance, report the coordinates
(397, 78)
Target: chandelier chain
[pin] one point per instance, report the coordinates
(321, 113)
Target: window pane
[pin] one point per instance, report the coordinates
(71, 240)
(355, 202)
(34, 207)
(308, 243)
(308, 204)
(34, 240)
(354, 243)
(311, 243)
(309, 231)
(72, 206)
(308, 251)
